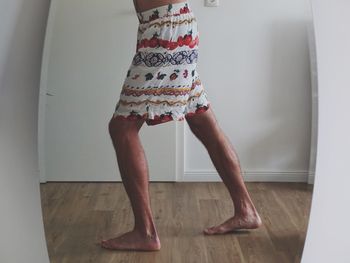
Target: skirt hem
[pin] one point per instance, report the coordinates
(158, 119)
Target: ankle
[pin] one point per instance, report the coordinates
(147, 232)
(246, 209)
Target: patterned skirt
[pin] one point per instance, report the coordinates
(162, 83)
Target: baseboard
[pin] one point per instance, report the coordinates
(251, 176)
(311, 178)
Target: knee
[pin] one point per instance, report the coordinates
(204, 126)
(198, 121)
(117, 128)
(121, 129)
(196, 126)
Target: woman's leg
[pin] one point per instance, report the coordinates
(205, 127)
(133, 169)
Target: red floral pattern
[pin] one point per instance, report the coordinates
(156, 42)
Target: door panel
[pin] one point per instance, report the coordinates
(88, 48)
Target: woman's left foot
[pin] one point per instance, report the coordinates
(133, 240)
(249, 221)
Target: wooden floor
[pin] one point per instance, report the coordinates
(77, 215)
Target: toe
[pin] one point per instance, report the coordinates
(208, 230)
(215, 230)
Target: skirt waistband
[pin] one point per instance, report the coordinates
(163, 11)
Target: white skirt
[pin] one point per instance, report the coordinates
(162, 83)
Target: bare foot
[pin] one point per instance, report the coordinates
(133, 240)
(251, 220)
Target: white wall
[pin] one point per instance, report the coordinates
(22, 27)
(328, 234)
(254, 64)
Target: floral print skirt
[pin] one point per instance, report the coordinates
(162, 83)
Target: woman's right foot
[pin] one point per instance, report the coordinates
(133, 240)
(248, 220)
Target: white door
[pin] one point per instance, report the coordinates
(88, 48)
